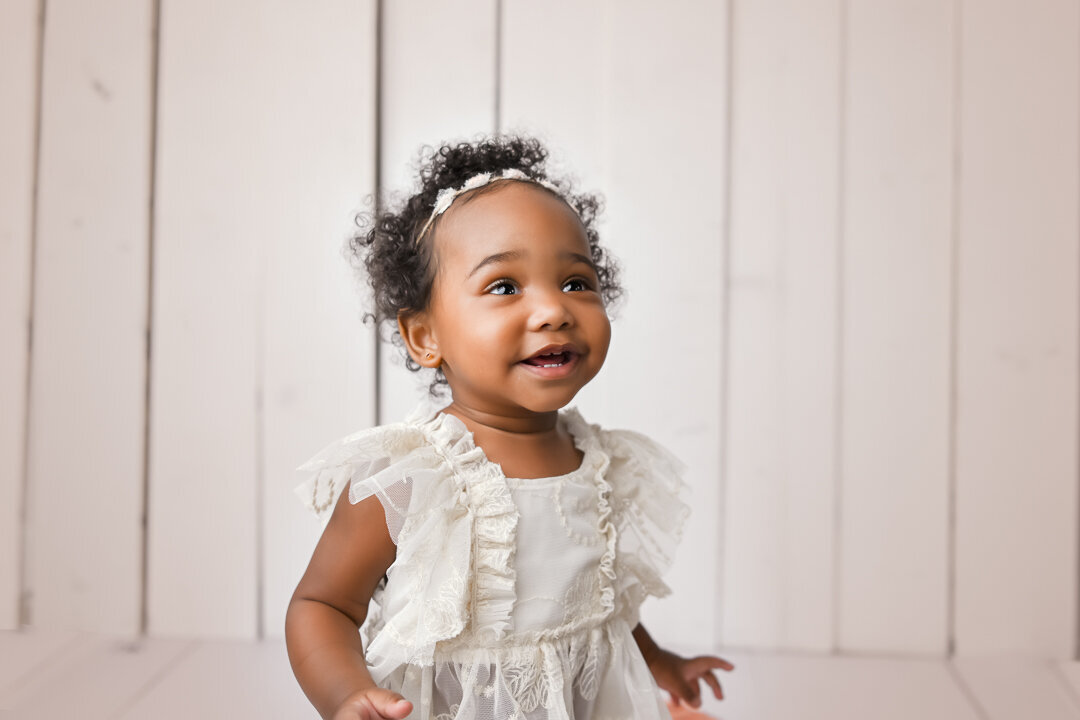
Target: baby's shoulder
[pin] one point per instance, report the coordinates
(366, 461)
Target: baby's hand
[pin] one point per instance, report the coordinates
(373, 704)
(681, 676)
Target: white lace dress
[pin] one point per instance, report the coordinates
(510, 598)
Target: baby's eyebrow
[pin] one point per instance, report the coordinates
(518, 254)
(496, 258)
(580, 258)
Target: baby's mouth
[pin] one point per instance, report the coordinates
(549, 360)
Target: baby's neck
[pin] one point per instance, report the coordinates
(483, 421)
(525, 447)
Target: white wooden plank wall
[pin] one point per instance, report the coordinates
(318, 358)
(88, 377)
(896, 284)
(18, 95)
(261, 357)
(663, 251)
(212, 153)
(780, 463)
(851, 242)
(1018, 310)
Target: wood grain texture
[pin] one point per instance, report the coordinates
(777, 686)
(317, 356)
(88, 380)
(106, 677)
(1069, 672)
(96, 678)
(634, 99)
(782, 411)
(1014, 687)
(897, 287)
(18, 95)
(216, 140)
(428, 101)
(1017, 333)
(24, 654)
(225, 680)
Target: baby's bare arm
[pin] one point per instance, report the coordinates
(678, 675)
(330, 604)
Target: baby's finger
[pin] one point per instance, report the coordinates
(389, 704)
(711, 661)
(716, 663)
(691, 692)
(714, 684)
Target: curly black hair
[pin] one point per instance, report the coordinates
(401, 271)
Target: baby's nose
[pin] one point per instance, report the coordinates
(550, 311)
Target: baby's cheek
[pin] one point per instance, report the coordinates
(602, 333)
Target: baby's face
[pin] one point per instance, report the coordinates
(515, 311)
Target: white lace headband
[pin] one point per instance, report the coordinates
(447, 196)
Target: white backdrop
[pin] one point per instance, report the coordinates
(851, 247)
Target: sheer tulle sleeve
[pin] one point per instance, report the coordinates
(649, 497)
(429, 519)
(385, 461)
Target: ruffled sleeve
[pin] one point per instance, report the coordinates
(371, 462)
(430, 521)
(650, 504)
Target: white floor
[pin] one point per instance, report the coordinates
(46, 676)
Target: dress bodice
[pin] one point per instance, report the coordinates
(557, 552)
(508, 597)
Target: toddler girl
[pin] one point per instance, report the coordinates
(495, 550)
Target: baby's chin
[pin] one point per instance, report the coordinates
(553, 397)
(553, 400)
(531, 397)
(536, 404)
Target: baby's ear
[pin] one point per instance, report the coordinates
(419, 339)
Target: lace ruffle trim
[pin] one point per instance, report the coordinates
(495, 523)
(494, 518)
(586, 440)
(652, 506)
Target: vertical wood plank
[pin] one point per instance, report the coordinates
(673, 259)
(897, 288)
(634, 104)
(428, 101)
(1017, 340)
(559, 96)
(215, 142)
(18, 95)
(88, 387)
(317, 355)
(782, 414)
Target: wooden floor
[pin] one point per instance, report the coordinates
(46, 676)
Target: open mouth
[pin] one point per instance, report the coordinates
(551, 360)
(554, 361)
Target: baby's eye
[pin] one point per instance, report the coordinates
(576, 285)
(501, 287)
